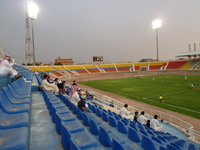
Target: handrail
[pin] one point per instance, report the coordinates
(182, 125)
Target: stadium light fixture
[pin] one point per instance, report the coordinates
(33, 11)
(156, 24)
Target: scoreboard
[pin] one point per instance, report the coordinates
(97, 58)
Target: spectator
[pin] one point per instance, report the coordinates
(136, 116)
(61, 87)
(74, 94)
(148, 124)
(81, 104)
(155, 124)
(125, 113)
(56, 81)
(49, 86)
(142, 119)
(6, 67)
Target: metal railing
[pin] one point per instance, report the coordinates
(180, 124)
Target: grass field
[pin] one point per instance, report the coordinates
(178, 94)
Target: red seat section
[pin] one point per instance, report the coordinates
(110, 70)
(58, 74)
(123, 69)
(94, 71)
(156, 67)
(175, 64)
(82, 72)
(137, 68)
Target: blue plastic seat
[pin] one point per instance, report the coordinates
(112, 121)
(8, 121)
(98, 112)
(79, 114)
(15, 99)
(121, 127)
(170, 147)
(117, 146)
(147, 144)
(106, 138)
(84, 140)
(14, 139)
(133, 135)
(105, 116)
(86, 119)
(10, 108)
(94, 129)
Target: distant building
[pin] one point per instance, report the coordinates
(62, 61)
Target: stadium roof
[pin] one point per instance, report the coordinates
(187, 54)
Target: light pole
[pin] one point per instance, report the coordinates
(156, 24)
(33, 10)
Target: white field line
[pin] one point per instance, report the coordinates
(146, 98)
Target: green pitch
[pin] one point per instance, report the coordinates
(178, 94)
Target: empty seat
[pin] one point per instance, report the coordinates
(94, 129)
(112, 121)
(147, 144)
(14, 139)
(105, 116)
(121, 127)
(8, 121)
(133, 135)
(117, 146)
(106, 138)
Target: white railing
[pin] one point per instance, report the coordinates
(182, 125)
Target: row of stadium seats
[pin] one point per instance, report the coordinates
(15, 114)
(145, 137)
(61, 71)
(105, 129)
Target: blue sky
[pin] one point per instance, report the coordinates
(118, 30)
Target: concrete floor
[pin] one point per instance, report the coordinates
(43, 135)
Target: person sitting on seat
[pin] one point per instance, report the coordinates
(155, 124)
(125, 113)
(148, 124)
(136, 116)
(74, 97)
(61, 87)
(49, 86)
(142, 119)
(82, 104)
(7, 69)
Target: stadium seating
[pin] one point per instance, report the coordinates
(124, 67)
(92, 68)
(15, 113)
(139, 66)
(175, 64)
(107, 67)
(156, 65)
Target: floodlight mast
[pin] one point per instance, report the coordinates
(33, 11)
(156, 24)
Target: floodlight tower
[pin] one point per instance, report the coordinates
(33, 10)
(28, 51)
(156, 24)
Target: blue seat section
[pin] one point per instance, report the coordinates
(104, 129)
(15, 113)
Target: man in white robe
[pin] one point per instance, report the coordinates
(49, 86)
(6, 67)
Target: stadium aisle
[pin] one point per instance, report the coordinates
(43, 134)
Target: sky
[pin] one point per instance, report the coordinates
(118, 30)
